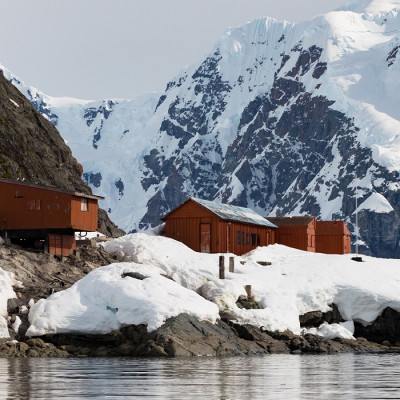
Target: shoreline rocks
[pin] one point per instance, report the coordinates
(184, 335)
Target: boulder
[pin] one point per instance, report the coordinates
(314, 319)
(385, 328)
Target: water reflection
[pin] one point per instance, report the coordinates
(275, 377)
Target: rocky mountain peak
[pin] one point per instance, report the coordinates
(287, 119)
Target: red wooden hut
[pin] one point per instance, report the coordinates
(332, 237)
(36, 213)
(211, 227)
(297, 232)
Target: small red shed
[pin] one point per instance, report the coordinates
(297, 232)
(34, 212)
(332, 237)
(211, 227)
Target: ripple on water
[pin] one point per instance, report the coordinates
(346, 376)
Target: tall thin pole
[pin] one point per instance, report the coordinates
(356, 215)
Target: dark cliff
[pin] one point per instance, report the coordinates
(31, 149)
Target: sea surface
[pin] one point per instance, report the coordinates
(289, 377)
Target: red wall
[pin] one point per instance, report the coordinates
(84, 220)
(27, 207)
(333, 237)
(300, 237)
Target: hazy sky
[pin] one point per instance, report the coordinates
(94, 49)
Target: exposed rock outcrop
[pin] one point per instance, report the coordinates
(314, 319)
(385, 329)
(184, 335)
(31, 148)
(107, 227)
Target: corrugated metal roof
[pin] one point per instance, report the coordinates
(228, 212)
(288, 221)
(54, 189)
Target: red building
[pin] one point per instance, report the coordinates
(296, 232)
(210, 227)
(332, 237)
(39, 213)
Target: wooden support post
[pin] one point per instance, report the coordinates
(221, 267)
(231, 264)
(248, 291)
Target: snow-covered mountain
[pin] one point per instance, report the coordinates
(284, 118)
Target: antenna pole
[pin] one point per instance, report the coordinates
(356, 215)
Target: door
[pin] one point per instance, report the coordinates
(55, 244)
(205, 238)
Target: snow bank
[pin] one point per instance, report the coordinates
(187, 267)
(108, 298)
(297, 282)
(332, 331)
(6, 292)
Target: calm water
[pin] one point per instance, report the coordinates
(289, 377)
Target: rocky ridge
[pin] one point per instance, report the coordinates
(31, 149)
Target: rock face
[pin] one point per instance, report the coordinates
(275, 118)
(386, 328)
(107, 227)
(31, 148)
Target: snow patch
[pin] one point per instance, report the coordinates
(376, 203)
(14, 102)
(7, 282)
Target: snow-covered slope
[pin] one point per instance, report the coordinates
(138, 292)
(284, 118)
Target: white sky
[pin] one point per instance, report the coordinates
(94, 49)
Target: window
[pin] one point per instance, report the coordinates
(84, 204)
(247, 239)
(34, 205)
